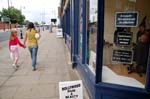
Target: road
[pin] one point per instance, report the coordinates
(4, 36)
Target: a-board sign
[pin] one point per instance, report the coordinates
(70, 90)
(126, 19)
(124, 38)
(59, 33)
(122, 56)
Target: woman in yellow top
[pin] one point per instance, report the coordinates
(32, 43)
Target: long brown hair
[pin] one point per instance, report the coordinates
(30, 26)
(12, 34)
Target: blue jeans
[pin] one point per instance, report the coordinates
(33, 51)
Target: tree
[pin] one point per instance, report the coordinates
(0, 14)
(14, 14)
(36, 23)
(43, 22)
(26, 22)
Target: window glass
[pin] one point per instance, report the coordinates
(91, 34)
(127, 38)
(80, 27)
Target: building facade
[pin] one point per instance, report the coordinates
(109, 45)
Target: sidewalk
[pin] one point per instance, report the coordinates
(53, 66)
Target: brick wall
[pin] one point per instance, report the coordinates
(6, 25)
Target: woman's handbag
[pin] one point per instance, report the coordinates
(37, 36)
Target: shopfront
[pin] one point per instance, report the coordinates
(125, 61)
(110, 46)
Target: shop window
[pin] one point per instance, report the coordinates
(127, 39)
(80, 27)
(91, 34)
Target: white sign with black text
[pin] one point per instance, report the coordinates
(59, 33)
(70, 90)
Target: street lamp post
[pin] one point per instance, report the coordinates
(1, 21)
(8, 3)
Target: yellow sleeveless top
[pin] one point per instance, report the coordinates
(31, 40)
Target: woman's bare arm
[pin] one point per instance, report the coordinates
(25, 38)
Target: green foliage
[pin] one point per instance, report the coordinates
(92, 23)
(14, 14)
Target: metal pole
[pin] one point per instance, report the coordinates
(8, 14)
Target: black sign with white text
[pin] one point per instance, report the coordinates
(122, 56)
(126, 19)
(124, 38)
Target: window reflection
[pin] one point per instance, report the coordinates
(80, 26)
(127, 39)
(91, 33)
